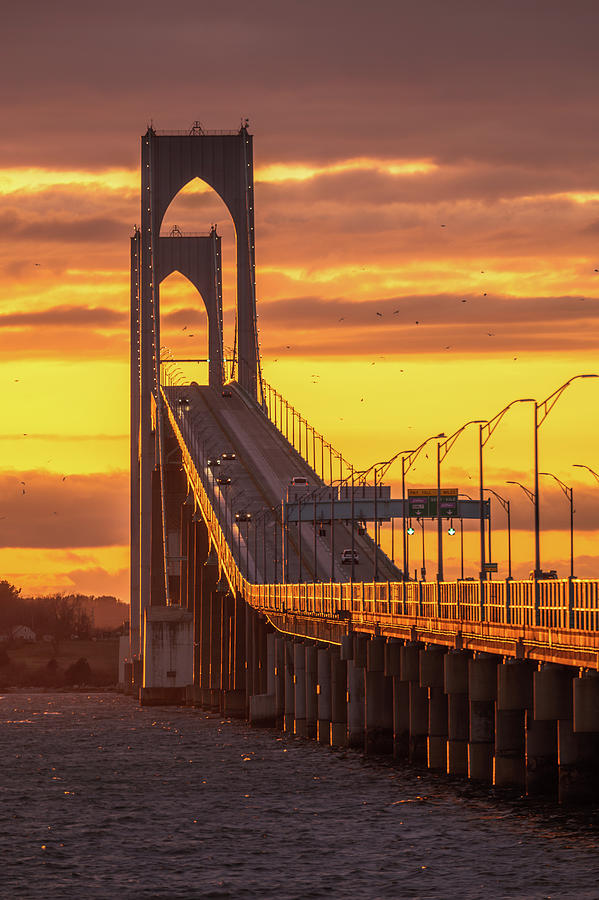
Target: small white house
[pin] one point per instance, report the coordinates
(22, 633)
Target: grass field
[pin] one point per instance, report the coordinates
(28, 664)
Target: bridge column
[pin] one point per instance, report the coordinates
(324, 712)
(514, 698)
(233, 703)
(209, 579)
(216, 624)
(186, 554)
(355, 693)
(482, 688)
(379, 700)
(582, 755)
(250, 656)
(401, 700)
(455, 684)
(418, 703)
(263, 706)
(431, 677)
(339, 703)
(201, 543)
(289, 716)
(299, 663)
(279, 680)
(311, 690)
(552, 701)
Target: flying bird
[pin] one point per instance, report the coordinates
(184, 328)
(342, 319)
(380, 314)
(491, 333)
(395, 311)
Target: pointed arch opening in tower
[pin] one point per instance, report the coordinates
(193, 212)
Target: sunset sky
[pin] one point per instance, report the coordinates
(433, 162)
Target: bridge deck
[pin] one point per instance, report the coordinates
(260, 475)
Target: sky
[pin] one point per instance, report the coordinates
(427, 226)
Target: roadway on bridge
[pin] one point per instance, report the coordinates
(215, 426)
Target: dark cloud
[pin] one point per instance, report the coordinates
(509, 79)
(79, 511)
(66, 316)
(62, 230)
(416, 324)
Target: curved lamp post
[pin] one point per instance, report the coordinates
(568, 491)
(541, 411)
(582, 466)
(506, 506)
(443, 449)
(486, 429)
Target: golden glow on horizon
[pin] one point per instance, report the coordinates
(278, 173)
(31, 180)
(34, 180)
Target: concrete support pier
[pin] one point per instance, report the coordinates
(417, 703)
(379, 700)
(455, 685)
(339, 679)
(355, 705)
(324, 711)
(514, 699)
(431, 677)
(311, 691)
(299, 684)
(482, 687)
(289, 714)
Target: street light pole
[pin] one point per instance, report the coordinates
(443, 448)
(506, 506)
(569, 492)
(486, 429)
(544, 408)
(592, 471)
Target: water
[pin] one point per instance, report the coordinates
(103, 799)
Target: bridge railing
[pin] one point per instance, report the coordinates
(328, 463)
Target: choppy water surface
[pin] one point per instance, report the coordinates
(103, 799)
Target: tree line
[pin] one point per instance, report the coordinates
(58, 615)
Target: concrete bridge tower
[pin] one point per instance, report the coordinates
(169, 161)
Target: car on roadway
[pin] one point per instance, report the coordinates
(243, 516)
(228, 455)
(223, 479)
(212, 462)
(226, 393)
(347, 555)
(299, 481)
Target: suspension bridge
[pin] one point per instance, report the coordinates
(259, 584)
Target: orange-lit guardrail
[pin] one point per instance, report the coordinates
(556, 604)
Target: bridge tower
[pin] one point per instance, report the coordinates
(169, 161)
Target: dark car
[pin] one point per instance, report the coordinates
(346, 557)
(228, 455)
(243, 516)
(222, 479)
(226, 393)
(213, 461)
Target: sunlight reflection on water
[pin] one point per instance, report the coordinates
(107, 797)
